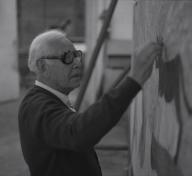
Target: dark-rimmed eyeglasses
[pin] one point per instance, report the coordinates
(67, 57)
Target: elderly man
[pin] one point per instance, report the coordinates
(56, 140)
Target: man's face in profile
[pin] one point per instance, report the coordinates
(66, 76)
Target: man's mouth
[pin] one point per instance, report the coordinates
(77, 75)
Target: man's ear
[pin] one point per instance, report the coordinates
(41, 65)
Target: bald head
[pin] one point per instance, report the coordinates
(49, 43)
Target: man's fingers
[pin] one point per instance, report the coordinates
(151, 48)
(155, 47)
(156, 51)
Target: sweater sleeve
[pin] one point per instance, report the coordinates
(61, 128)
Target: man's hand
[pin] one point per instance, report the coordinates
(142, 62)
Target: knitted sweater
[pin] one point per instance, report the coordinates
(56, 141)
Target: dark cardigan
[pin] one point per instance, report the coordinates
(58, 142)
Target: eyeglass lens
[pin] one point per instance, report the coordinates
(69, 57)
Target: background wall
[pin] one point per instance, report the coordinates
(9, 78)
(161, 127)
(117, 44)
(36, 16)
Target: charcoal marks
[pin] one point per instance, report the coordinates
(169, 73)
(169, 86)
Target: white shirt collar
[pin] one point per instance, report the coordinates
(64, 98)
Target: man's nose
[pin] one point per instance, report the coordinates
(77, 62)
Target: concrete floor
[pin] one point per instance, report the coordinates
(113, 162)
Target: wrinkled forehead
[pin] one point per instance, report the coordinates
(52, 43)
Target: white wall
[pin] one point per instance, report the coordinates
(9, 79)
(94, 9)
(120, 29)
(122, 22)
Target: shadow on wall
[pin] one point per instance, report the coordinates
(169, 85)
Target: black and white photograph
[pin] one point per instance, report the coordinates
(95, 87)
